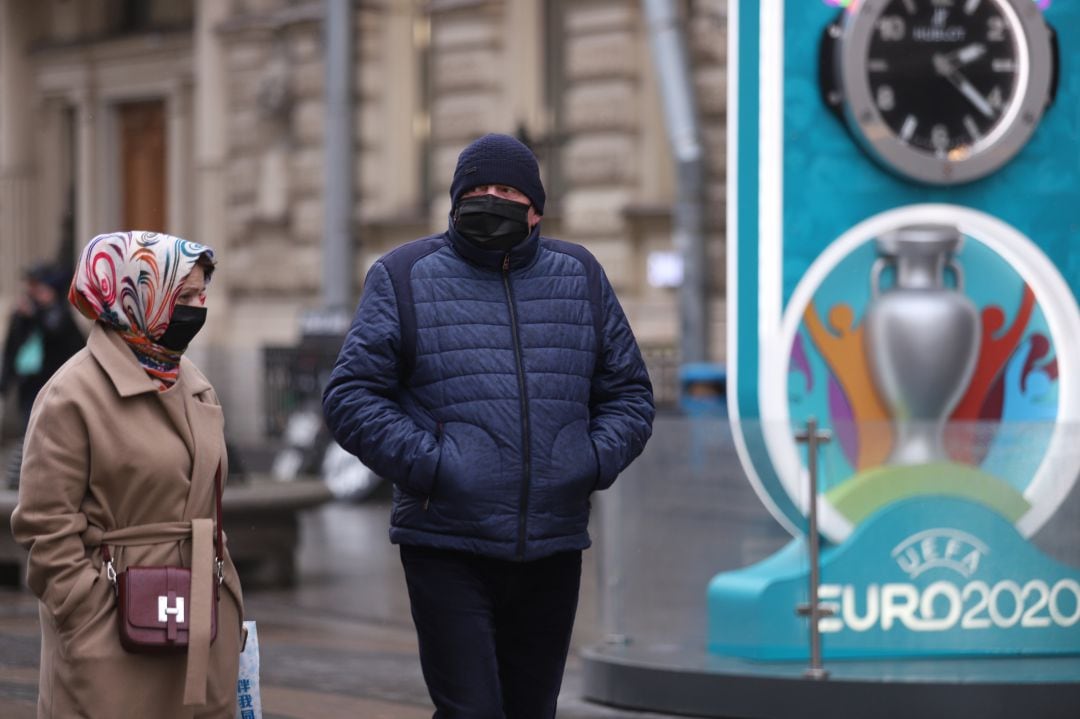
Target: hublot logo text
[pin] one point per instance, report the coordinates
(929, 33)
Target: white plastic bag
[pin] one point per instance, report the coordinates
(248, 700)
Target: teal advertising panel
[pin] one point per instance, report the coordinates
(904, 266)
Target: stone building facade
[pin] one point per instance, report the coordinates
(205, 118)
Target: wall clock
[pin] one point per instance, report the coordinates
(940, 91)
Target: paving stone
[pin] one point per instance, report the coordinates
(341, 643)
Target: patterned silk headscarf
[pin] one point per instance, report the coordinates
(130, 281)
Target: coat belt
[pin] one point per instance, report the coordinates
(201, 532)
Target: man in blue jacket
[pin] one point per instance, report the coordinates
(491, 374)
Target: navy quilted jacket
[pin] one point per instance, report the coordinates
(497, 393)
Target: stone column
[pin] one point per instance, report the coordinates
(178, 194)
(22, 244)
(87, 136)
(399, 153)
(211, 146)
(234, 367)
(523, 82)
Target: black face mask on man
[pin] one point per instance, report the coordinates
(185, 324)
(492, 223)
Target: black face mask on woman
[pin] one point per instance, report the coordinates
(492, 223)
(185, 324)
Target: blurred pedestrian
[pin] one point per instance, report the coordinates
(120, 459)
(41, 335)
(491, 374)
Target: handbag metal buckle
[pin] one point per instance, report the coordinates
(220, 564)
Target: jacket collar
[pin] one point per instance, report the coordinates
(521, 254)
(127, 374)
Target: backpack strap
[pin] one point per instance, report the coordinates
(593, 274)
(399, 264)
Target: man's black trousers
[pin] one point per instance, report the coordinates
(493, 634)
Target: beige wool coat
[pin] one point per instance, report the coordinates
(105, 456)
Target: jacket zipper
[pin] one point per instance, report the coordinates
(523, 505)
(427, 499)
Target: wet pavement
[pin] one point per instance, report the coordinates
(339, 644)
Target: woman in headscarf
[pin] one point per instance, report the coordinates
(122, 448)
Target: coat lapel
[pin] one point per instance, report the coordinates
(129, 379)
(207, 426)
(119, 362)
(199, 424)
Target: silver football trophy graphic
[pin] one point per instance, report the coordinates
(922, 337)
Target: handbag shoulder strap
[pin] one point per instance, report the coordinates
(218, 543)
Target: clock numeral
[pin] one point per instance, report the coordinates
(939, 138)
(973, 129)
(1003, 65)
(996, 98)
(995, 29)
(877, 65)
(892, 28)
(907, 130)
(971, 53)
(971, 6)
(886, 98)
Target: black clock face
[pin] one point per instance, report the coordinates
(942, 72)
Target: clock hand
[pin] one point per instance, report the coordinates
(968, 90)
(944, 66)
(965, 55)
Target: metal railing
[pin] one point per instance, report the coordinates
(812, 437)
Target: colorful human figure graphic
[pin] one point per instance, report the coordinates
(1028, 386)
(980, 401)
(841, 346)
(994, 352)
(1040, 347)
(839, 408)
(1028, 408)
(800, 363)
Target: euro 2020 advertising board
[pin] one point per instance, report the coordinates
(904, 263)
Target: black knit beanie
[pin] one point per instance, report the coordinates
(498, 160)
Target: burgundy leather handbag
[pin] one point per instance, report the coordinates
(155, 602)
